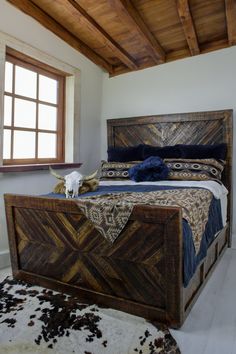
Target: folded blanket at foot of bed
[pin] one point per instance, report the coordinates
(110, 213)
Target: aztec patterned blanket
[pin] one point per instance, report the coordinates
(109, 213)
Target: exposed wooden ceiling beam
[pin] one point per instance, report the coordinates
(128, 14)
(178, 54)
(38, 14)
(89, 22)
(230, 9)
(188, 26)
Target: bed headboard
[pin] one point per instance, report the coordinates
(213, 127)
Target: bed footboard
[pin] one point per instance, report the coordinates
(52, 244)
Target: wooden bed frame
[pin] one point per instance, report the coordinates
(53, 245)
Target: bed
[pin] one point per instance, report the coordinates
(53, 244)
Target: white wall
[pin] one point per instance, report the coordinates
(24, 28)
(201, 83)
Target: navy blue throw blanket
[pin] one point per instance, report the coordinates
(190, 259)
(151, 169)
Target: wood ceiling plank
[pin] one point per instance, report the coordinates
(98, 31)
(214, 45)
(128, 14)
(209, 20)
(188, 26)
(34, 11)
(163, 21)
(230, 9)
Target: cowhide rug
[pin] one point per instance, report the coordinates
(37, 320)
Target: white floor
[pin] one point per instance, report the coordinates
(4, 273)
(211, 325)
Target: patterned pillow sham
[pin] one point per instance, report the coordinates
(195, 169)
(116, 170)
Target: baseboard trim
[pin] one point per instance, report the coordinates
(4, 259)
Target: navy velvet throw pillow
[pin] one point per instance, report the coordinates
(216, 151)
(152, 169)
(125, 154)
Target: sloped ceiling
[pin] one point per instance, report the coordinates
(124, 35)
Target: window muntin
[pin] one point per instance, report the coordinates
(33, 113)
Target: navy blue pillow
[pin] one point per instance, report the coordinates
(152, 169)
(125, 154)
(217, 151)
(163, 152)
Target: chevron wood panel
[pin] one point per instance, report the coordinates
(66, 247)
(203, 132)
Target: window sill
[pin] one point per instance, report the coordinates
(36, 167)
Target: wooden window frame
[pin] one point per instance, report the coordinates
(26, 62)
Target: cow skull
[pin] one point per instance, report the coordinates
(73, 181)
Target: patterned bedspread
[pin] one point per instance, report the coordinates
(109, 213)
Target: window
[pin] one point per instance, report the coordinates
(33, 112)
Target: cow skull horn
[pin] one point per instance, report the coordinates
(92, 176)
(56, 174)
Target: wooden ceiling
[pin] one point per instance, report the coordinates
(127, 35)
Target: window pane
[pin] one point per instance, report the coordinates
(47, 117)
(46, 145)
(8, 76)
(7, 110)
(47, 89)
(6, 144)
(25, 114)
(24, 145)
(25, 82)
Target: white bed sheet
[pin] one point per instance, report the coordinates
(218, 190)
